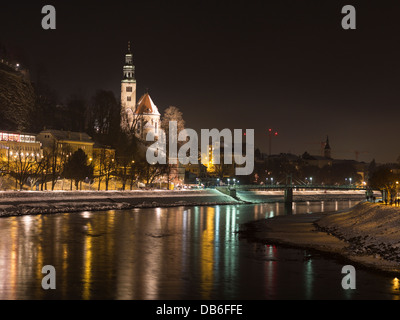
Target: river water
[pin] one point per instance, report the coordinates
(171, 253)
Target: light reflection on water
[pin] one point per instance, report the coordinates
(170, 253)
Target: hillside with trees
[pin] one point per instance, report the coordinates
(17, 100)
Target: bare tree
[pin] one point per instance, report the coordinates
(131, 123)
(22, 166)
(55, 158)
(4, 169)
(172, 114)
(127, 147)
(148, 172)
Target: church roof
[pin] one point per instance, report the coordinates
(61, 135)
(146, 106)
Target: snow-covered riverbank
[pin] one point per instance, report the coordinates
(368, 234)
(370, 229)
(41, 202)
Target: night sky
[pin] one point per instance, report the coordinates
(286, 65)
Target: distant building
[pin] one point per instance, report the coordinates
(225, 167)
(66, 141)
(14, 144)
(99, 148)
(317, 160)
(327, 149)
(193, 171)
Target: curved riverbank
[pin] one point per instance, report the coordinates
(368, 234)
(15, 203)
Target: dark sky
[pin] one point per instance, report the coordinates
(286, 65)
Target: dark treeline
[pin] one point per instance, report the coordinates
(284, 169)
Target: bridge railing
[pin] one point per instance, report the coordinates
(307, 186)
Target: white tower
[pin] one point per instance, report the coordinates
(128, 90)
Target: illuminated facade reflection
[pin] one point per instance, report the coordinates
(157, 253)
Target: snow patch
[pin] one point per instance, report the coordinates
(371, 229)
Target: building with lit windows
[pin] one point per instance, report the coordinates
(19, 144)
(66, 141)
(225, 167)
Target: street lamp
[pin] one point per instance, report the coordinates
(272, 180)
(228, 181)
(311, 179)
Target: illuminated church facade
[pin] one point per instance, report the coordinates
(137, 116)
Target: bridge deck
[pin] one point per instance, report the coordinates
(311, 186)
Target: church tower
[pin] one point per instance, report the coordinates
(128, 90)
(327, 149)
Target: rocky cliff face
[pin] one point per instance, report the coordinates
(17, 100)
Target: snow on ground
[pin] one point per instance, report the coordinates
(367, 234)
(41, 202)
(370, 228)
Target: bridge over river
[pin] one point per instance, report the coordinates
(289, 188)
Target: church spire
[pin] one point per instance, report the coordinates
(327, 149)
(128, 90)
(129, 68)
(129, 56)
(327, 146)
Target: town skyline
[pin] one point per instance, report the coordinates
(233, 68)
